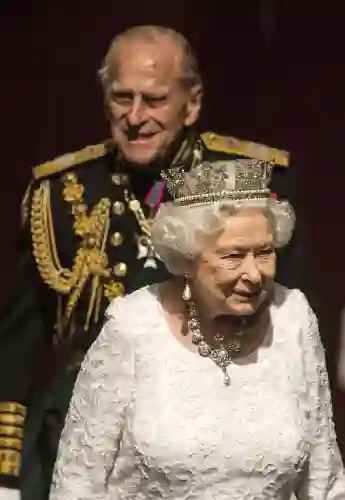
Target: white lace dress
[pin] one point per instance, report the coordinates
(150, 419)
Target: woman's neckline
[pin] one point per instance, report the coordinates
(250, 358)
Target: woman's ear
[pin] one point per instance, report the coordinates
(189, 266)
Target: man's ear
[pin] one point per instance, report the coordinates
(106, 109)
(194, 105)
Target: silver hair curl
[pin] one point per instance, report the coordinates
(178, 232)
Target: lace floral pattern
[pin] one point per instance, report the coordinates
(149, 419)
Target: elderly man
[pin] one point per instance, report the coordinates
(86, 239)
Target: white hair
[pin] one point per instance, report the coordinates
(179, 232)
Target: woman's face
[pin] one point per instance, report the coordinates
(235, 273)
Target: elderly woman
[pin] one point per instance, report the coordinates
(212, 385)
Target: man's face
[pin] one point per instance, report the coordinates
(147, 104)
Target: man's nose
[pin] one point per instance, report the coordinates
(136, 114)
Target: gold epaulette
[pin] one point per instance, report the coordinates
(69, 160)
(12, 420)
(227, 144)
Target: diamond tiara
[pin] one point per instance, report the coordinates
(209, 182)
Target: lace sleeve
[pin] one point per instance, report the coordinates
(323, 478)
(96, 417)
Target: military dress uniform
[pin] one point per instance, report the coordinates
(85, 241)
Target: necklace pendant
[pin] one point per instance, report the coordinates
(226, 377)
(197, 337)
(204, 349)
(235, 345)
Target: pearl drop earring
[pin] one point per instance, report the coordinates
(186, 295)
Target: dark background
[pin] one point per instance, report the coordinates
(274, 72)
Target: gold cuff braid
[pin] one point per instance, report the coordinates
(9, 407)
(10, 430)
(10, 462)
(12, 419)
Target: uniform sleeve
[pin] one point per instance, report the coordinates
(96, 418)
(21, 335)
(323, 477)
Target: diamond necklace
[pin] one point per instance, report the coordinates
(222, 355)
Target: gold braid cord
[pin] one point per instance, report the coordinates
(90, 260)
(12, 419)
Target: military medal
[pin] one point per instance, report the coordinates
(153, 199)
(144, 243)
(145, 251)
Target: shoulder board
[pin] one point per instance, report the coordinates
(69, 160)
(226, 144)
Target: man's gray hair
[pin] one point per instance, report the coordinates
(190, 73)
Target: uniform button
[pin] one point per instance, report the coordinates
(120, 269)
(119, 179)
(116, 239)
(118, 208)
(70, 177)
(116, 178)
(113, 290)
(90, 241)
(79, 209)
